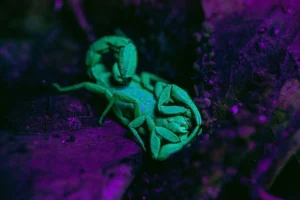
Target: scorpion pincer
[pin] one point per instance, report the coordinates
(162, 114)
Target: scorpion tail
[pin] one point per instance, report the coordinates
(97, 72)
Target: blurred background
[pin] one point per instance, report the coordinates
(238, 59)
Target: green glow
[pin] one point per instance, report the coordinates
(162, 112)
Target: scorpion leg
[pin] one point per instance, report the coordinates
(118, 96)
(97, 89)
(92, 87)
(156, 133)
(159, 87)
(178, 94)
(138, 121)
(146, 78)
(169, 149)
(160, 152)
(164, 99)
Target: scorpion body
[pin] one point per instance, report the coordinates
(162, 111)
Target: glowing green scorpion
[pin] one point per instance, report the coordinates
(162, 111)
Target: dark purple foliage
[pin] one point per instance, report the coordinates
(242, 72)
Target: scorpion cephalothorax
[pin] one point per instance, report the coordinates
(164, 113)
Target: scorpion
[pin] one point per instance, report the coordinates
(163, 113)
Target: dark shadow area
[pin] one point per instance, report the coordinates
(241, 71)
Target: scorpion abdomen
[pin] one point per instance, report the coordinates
(141, 95)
